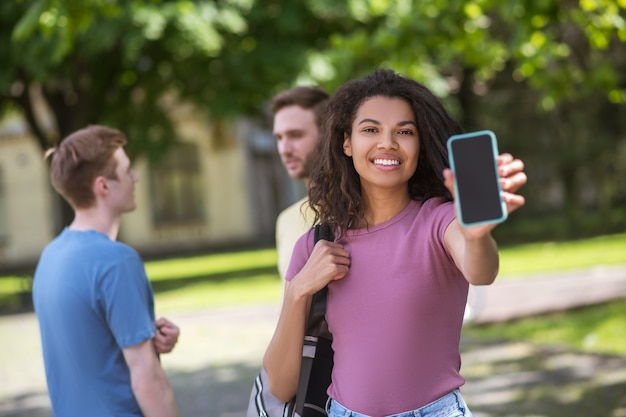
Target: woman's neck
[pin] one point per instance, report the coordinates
(382, 208)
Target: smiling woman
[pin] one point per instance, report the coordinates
(384, 150)
(399, 269)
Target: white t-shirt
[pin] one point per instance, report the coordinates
(291, 223)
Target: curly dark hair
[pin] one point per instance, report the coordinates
(335, 190)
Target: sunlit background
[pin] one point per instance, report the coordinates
(189, 82)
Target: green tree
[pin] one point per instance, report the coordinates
(119, 62)
(115, 61)
(550, 73)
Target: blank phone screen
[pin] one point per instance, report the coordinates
(477, 181)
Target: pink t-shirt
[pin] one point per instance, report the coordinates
(396, 316)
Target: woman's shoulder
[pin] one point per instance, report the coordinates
(306, 241)
(434, 204)
(437, 203)
(301, 252)
(436, 210)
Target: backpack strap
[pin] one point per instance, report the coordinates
(315, 327)
(323, 231)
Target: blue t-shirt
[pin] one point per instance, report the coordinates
(92, 299)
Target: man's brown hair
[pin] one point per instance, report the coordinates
(82, 157)
(310, 98)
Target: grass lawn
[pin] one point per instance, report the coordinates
(251, 277)
(599, 329)
(560, 256)
(245, 277)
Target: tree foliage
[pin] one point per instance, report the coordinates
(548, 75)
(552, 44)
(114, 61)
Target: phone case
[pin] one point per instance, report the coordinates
(494, 217)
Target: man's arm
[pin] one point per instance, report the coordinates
(149, 382)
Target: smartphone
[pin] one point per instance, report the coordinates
(478, 194)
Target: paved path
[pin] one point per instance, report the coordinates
(220, 351)
(514, 298)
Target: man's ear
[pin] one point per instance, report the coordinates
(347, 147)
(100, 186)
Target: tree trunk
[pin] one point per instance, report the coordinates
(567, 149)
(468, 101)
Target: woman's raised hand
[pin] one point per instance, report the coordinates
(329, 261)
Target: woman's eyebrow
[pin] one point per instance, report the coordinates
(374, 121)
(367, 120)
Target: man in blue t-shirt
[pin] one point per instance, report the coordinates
(92, 298)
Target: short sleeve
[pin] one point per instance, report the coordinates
(442, 215)
(128, 302)
(301, 252)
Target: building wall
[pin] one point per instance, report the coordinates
(27, 200)
(225, 196)
(231, 194)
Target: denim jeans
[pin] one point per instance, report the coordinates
(450, 405)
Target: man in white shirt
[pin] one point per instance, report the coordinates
(298, 116)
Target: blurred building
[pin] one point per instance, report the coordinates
(221, 187)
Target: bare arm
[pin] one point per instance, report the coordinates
(328, 261)
(283, 355)
(476, 256)
(149, 382)
(473, 249)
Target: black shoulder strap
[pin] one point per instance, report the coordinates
(316, 322)
(316, 325)
(323, 232)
